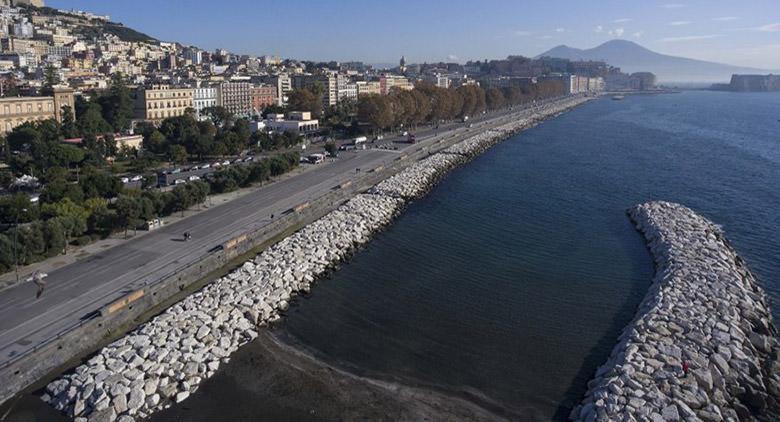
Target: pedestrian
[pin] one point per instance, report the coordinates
(685, 369)
(272, 216)
(37, 278)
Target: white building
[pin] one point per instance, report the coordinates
(204, 97)
(299, 123)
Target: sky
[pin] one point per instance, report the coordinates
(738, 32)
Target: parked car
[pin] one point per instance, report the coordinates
(137, 178)
(193, 178)
(175, 171)
(226, 163)
(125, 180)
(216, 164)
(179, 181)
(205, 166)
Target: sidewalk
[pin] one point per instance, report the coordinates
(77, 253)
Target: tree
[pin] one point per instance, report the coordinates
(305, 100)
(376, 111)
(69, 129)
(91, 121)
(50, 80)
(116, 104)
(128, 212)
(494, 99)
(178, 154)
(156, 142)
(330, 148)
(219, 115)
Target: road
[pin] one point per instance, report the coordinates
(77, 290)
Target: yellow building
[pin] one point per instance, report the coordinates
(14, 111)
(368, 87)
(161, 101)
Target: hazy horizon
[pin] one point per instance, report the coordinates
(744, 34)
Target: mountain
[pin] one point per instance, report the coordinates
(632, 57)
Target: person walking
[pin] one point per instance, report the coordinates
(37, 278)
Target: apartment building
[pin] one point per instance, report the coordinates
(236, 97)
(159, 102)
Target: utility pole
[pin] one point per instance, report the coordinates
(16, 234)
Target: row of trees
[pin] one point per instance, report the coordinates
(45, 229)
(428, 103)
(182, 137)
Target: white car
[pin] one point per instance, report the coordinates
(193, 178)
(125, 180)
(137, 178)
(226, 163)
(179, 181)
(205, 166)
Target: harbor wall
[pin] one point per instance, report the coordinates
(702, 345)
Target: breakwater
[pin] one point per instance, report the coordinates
(702, 345)
(165, 359)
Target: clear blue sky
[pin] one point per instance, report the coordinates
(743, 32)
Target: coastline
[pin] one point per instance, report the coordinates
(166, 359)
(299, 383)
(702, 345)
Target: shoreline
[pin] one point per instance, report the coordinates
(702, 345)
(310, 383)
(165, 359)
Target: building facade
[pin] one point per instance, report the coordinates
(204, 97)
(160, 102)
(388, 82)
(298, 123)
(236, 97)
(262, 97)
(15, 111)
(368, 88)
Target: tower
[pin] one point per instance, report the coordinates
(402, 64)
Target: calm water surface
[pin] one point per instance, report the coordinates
(513, 278)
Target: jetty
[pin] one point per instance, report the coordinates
(702, 346)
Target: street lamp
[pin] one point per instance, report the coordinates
(16, 231)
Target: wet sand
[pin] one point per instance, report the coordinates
(287, 384)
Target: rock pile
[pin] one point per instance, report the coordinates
(702, 345)
(165, 360)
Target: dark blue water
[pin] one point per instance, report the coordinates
(511, 281)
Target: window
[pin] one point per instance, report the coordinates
(29, 108)
(18, 109)
(7, 109)
(40, 107)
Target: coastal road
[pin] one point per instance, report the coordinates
(81, 288)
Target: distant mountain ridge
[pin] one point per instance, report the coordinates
(632, 57)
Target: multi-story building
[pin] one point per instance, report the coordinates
(193, 55)
(204, 97)
(283, 84)
(327, 81)
(368, 88)
(262, 97)
(162, 101)
(388, 82)
(15, 111)
(236, 97)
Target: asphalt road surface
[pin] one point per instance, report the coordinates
(76, 290)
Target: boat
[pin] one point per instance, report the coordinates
(618, 97)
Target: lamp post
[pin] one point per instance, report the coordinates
(16, 234)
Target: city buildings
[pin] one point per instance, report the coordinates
(159, 102)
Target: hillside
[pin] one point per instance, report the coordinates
(632, 57)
